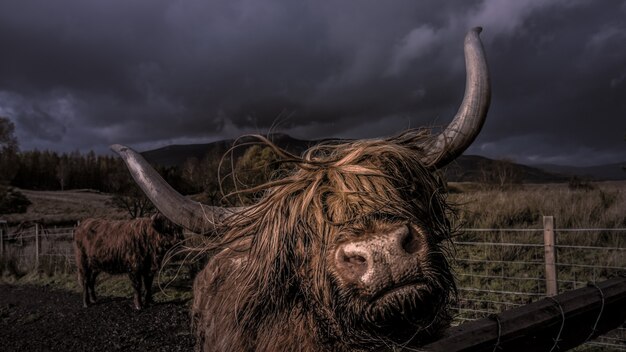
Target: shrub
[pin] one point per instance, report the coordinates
(12, 201)
(9, 267)
(579, 184)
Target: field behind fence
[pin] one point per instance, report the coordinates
(36, 246)
(499, 269)
(496, 268)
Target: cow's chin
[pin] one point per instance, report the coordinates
(410, 314)
(416, 301)
(407, 311)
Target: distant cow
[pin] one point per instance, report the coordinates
(135, 247)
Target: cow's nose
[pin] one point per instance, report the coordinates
(378, 258)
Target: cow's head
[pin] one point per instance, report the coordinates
(354, 235)
(165, 226)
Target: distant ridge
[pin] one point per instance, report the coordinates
(608, 172)
(466, 168)
(175, 155)
(469, 168)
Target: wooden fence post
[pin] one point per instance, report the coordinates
(549, 242)
(36, 246)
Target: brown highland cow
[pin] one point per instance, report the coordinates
(346, 253)
(134, 247)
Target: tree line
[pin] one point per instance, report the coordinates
(52, 171)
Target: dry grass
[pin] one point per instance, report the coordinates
(65, 207)
(593, 255)
(524, 207)
(170, 283)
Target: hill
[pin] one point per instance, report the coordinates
(175, 155)
(608, 172)
(473, 168)
(466, 168)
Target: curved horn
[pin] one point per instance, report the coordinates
(189, 214)
(470, 117)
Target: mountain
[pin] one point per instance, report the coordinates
(466, 168)
(608, 172)
(475, 168)
(175, 155)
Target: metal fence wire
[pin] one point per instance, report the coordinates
(499, 269)
(29, 247)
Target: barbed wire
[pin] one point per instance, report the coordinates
(590, 247)
(499, 244)
(513, 230)
(499, 261)
(503, 277)
(471, 289)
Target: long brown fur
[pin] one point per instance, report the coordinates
(273, 286)
(134, 247)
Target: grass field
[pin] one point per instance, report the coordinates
(65, 207)
(521, 207)
(603, 207)
(486, 270)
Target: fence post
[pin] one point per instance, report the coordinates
(549, 242)
(36, 246)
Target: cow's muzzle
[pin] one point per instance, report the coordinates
(383, 261)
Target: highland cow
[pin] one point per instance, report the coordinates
(348, 252)
(134, 247)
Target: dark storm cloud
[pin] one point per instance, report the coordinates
(85, 74)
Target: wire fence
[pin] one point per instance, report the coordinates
(30, 247)
(496, 269)
(499, 269)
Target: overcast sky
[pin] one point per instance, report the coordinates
(83, 74)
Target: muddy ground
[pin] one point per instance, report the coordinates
(34, 318)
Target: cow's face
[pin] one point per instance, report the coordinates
(166, 227)
(382, 270)
(391, 278)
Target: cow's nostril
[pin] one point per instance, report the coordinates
(410, 243)
(355, 259)
(351, 262)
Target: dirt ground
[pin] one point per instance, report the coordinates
(34, 318)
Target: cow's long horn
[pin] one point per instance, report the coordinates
(469, 119)
(185, 212)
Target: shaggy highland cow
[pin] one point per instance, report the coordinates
(346, 253)
(134, 247)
